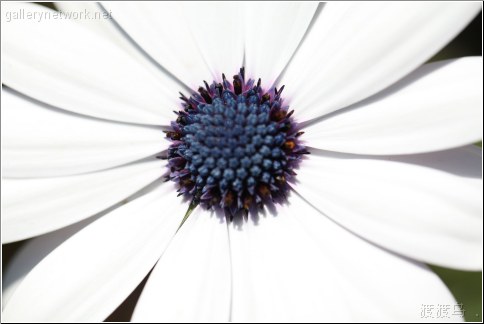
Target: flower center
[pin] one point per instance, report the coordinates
(234, 146)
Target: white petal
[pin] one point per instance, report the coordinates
(356, 49)
(93, 17)
(464, 161)
(439, 106)
(191, 282)
(369, 276)
(218, 32)
(297, 265)
(32, 207)
(161, 29)
(404, 203)
(278, 275)
(73, 68)
(272, 34)
(30, 254)
(89, 275)
(40, 141)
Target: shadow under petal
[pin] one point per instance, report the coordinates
(462, 161)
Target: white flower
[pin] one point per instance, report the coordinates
(388, 185)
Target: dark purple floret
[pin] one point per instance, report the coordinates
(234, 146)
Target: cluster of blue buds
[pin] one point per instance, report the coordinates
(234, 146)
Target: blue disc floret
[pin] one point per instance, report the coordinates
(234, 146)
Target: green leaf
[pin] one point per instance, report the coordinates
(467, 289)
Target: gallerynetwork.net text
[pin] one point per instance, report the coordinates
(40, 16)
